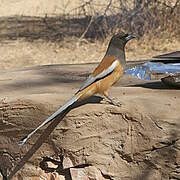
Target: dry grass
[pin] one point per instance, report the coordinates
(42, 7)
(21, 53)
(27, 41)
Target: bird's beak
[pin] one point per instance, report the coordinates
(130, 36)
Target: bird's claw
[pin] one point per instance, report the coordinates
(115, 102)
(111, 101)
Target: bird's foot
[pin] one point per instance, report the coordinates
(115, 102)
(111, 101)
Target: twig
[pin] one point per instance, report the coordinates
(47, 25)
(84, 33)
(176, 4)
(107, 7)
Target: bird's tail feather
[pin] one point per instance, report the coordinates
(50, 118)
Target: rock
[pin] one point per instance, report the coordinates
(78, 174)
(67, 163)
(172, 81)
(139, 140)
(87, 173)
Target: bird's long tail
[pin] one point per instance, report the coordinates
(50, 118)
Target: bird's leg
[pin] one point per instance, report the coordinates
(111, 100)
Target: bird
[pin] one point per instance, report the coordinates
(107, 73)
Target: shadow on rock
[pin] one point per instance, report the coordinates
(154, 85)
(163, 160)
(48, 131)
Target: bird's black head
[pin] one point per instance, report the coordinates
(119, 40)
(117, 46)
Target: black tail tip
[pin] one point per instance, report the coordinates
(3, 174)
(5, 177)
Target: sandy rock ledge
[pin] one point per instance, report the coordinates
(139, 140)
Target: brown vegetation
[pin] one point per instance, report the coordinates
(98, 20)
(85, 27)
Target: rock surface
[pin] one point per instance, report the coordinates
(139, 140)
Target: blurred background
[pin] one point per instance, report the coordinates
(36, 32)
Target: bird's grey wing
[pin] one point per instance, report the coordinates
(91, 79)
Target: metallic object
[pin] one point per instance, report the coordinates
(165, 67)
